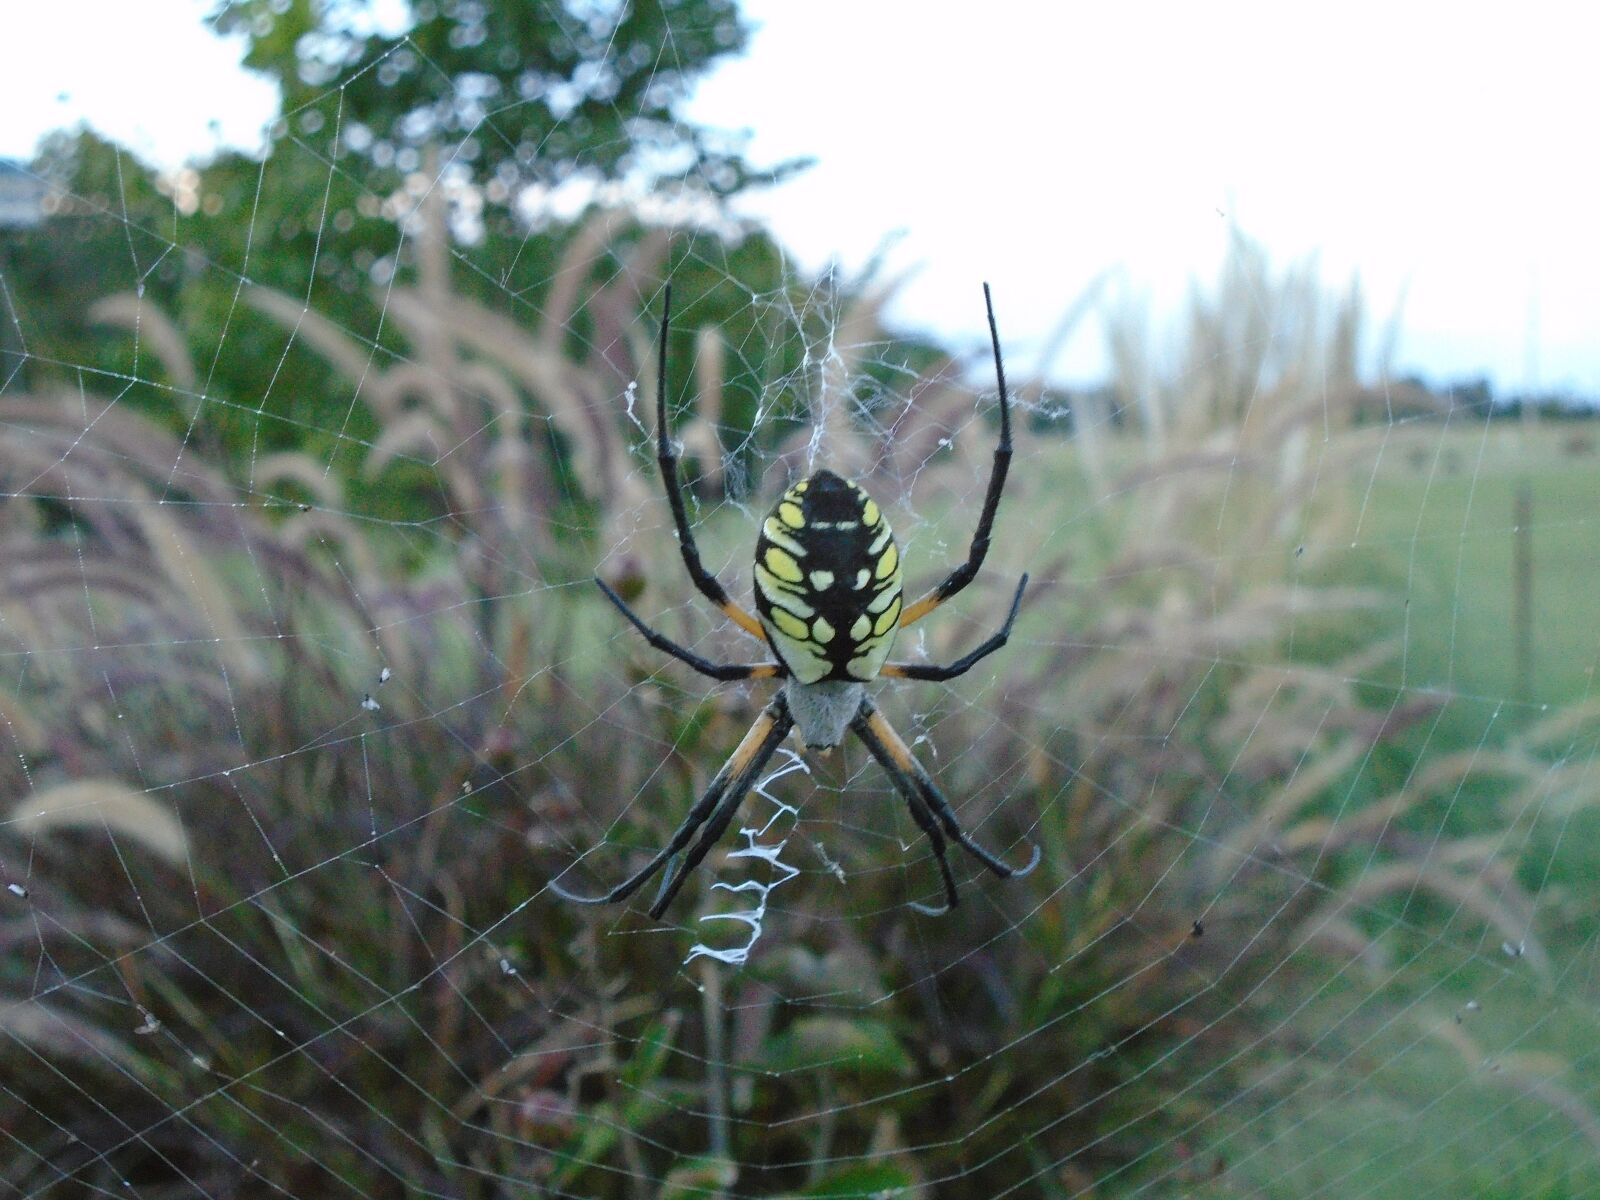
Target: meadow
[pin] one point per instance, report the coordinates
(1316, 900)
(1443, 509)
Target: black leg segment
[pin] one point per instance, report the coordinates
(723, 671)
(963, 575)
(936, 673)
(919, 792)
(717, 806)
(667, 458)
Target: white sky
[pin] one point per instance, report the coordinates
(1438, 150)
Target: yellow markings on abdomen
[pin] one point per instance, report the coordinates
(791, 625)
(887, 620)
(779, 536)
(804, 658)
(866, 665)
(886, 564)
(780, 596)
(782, 564)
(789, 513)
(883, 599)
(821, 630)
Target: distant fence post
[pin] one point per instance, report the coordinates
(1522, 589)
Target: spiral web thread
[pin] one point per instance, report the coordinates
(288, 780)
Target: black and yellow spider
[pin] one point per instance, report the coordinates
(827, 578)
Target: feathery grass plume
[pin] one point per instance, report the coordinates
(51, 1033)
(154, 329)
(1524, 1075)
(101, 804)
(513, 424)
(1183, 720)
(173, 634)
(223, 649)
(359, 967)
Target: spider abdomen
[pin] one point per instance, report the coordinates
(828, 581)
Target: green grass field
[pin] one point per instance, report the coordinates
(1456, 1069)
(1438, 516)
(1441, 513)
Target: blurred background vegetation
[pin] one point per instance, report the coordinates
(307, 460)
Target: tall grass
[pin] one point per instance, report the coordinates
(276, 939)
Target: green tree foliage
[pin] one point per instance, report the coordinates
(476, 102)
(109, 230)
(523, 93)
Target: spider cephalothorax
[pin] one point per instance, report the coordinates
(827, 576)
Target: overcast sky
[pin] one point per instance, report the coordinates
(1443, 152)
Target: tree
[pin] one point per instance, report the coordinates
(108, 230)
(478, 99)
(520, 93)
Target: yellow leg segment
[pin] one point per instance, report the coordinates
(746, 622)
(920, 609)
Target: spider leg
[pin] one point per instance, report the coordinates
(964, 664)
(724, 792)
(667, 457)
(915, 786)
(722, 671)
(962, 575)
(717, 825)
(924, 820)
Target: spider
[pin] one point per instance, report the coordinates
(827, 577)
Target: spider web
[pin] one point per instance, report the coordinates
(1299, 711)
